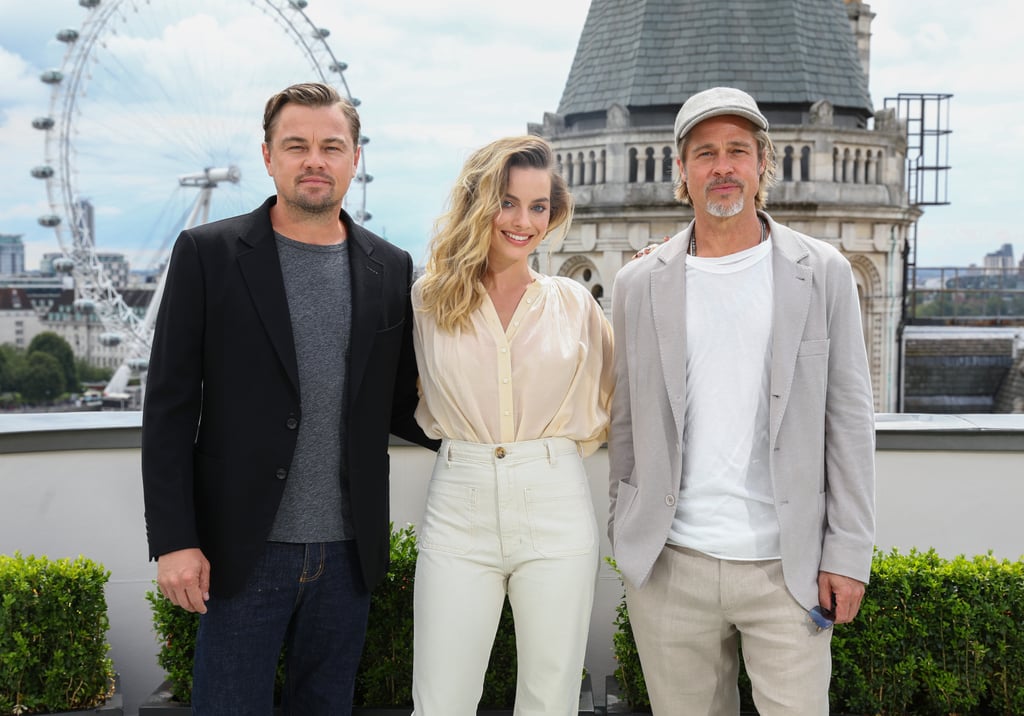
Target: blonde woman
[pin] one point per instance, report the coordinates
(516, 379)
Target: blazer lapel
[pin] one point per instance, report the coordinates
(792, 300)
(261, 269)
(367, 294)
(668, 306)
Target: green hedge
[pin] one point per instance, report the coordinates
(385, 674)
(933, 637)
(53, 631)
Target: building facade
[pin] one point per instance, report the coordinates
(12, 255)
(806, 62)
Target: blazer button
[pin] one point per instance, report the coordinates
(670, 500)
(292, 423)
(281, 473)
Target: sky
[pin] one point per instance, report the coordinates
(179, 85)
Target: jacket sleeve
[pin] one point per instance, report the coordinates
(172, 404)
(406, 394)
(620, 432)
(849, 535)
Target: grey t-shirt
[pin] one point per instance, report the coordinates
(315, 505)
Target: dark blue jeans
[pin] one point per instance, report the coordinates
(309, 598)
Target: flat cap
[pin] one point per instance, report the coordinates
(715, 102)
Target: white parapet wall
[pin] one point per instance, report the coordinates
(70, 484)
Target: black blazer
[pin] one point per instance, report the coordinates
(222, 411)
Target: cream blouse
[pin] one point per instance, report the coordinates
(549, 375)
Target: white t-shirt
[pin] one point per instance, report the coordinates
(726, 507)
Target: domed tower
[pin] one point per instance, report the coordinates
(841, 163)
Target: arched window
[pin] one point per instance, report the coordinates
(633, 166)
(649, 164)
(787, 164)
(666, 164)
(805, 164)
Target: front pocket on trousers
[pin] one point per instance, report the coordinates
(561, 518)
(450, 517)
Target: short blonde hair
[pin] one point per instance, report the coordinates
(451, 287)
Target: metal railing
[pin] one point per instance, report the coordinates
(967, 296)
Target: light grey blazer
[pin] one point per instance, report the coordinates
(822, 433)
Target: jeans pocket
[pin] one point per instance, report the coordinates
(561, 519)
(449, 521)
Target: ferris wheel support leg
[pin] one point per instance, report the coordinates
(119, 381)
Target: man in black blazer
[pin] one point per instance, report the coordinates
(281, 361)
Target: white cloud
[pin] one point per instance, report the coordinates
(437, 80)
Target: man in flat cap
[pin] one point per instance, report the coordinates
(742, 437)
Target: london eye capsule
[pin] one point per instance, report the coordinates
(138, 364)
(67, 35)
(63, 265)
(84, 305)
(111, 339)
(49, 220)
(43, 123)
(42, 172)
(52, 77)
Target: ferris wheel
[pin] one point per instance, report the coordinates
(156, 104)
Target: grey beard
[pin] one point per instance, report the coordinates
(724, 211)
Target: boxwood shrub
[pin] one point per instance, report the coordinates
(385, 673)
(933, 637)
(53, 635)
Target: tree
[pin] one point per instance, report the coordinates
(90, 373)
(50, 342)
(42, 379)
(12, 363)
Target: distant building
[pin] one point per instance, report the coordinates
(1001, 259)
(20, 322)
(82, 328)
(85, 218)
(115, 267)
(12, 255)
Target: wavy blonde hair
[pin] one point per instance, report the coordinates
(451, 287)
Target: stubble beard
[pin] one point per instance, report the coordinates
(313, 206)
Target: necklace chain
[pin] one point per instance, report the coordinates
(693, 236)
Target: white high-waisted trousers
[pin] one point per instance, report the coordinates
(513, 518)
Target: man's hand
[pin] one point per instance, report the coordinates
(184, 578)
(842, 595)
